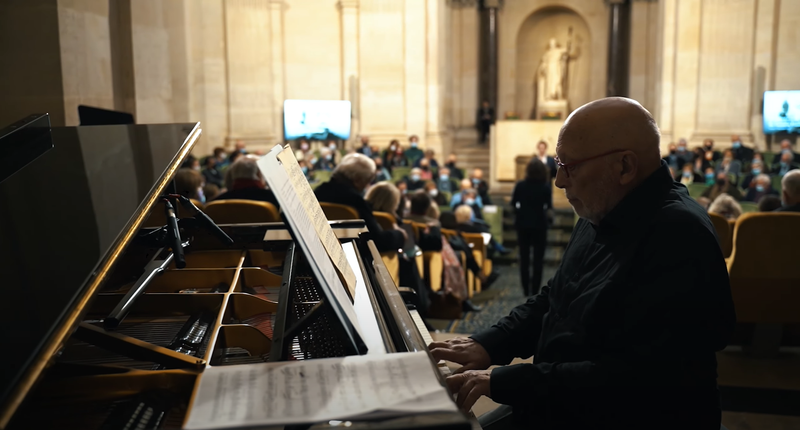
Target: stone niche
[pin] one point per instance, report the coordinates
(532, 40)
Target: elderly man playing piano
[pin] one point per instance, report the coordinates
(624, 335)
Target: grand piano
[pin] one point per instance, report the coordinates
(102, 330)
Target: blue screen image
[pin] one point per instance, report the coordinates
(781, 111)
(316, 119)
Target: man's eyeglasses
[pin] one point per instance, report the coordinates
(567, 166)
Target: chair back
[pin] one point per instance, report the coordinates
(385, 219)
(335, 211)
(776, 183)
(723, 233)
(238, 211)
(763, 269)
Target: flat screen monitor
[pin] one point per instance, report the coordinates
(316, 119)
(781, 111)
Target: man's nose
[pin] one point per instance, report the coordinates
(561, 178)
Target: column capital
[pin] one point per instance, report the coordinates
(348, 4)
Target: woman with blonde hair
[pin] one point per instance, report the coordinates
(384, 197)
(726, 206)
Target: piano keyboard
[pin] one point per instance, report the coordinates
(426, 336)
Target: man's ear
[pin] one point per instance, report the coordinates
(629, 167)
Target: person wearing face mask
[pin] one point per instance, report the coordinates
(460, 197)
(304, 151)
(414, 180)
(325, 161)
(455, 172)
(365, 148)
(431, 160)
(673, 159)
(304, 168)
(445, 182)
(721, 185)
(740, 152)
(220, 158)
(394, 156)
(381, 173)
(413, 153)
(433, 192)
(756, 168)
(349, 180)
(481, 186)
(336, 154)
(689, 176)
(729, 165)
(785, 164)
(426, 173)
(762, 186)
(210, 173)
(786, 146)
(709, 177)
(708, 146)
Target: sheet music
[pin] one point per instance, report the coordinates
(318, 218)
(307, 239)
(317, 390)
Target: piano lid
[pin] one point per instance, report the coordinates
(61, 214)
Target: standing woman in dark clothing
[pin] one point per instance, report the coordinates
(530, 201)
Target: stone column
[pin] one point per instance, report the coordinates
(436, 136)
(619, 31)
(487, 80)
(277, 8)
(349, 26)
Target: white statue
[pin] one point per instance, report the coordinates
(552, 72)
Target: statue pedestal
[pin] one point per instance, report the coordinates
(512, 139)
(552, 109)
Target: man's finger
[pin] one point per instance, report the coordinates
(449, 355)
(454, 383)
(465, 367)
(463, 393)
(469, 401)
(438, 345)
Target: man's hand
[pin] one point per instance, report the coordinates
(462, 350)
(396, 227)
(469, 387)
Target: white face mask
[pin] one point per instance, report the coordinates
(434, 192)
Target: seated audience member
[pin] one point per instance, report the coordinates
(210, 191)
(221, 158)
(393, 156)
(740, 152)
(426, 173)
(785, 164)
(548, 161)
(211, 174)
(304, 152)
(336, 155)
(384, 197)
(673, 158)
(234, 157)
(349, 180)
(238, 151)
(475, 224)
(757, 156)
(414, 153)
(481, 186)
(403, 188)
(399, 159)
(726, 206)
(191, 162)
(786, 146)
(381, 173)
(722, 185)
(683, 151)
(762, 187)
(304, 168)
(445, 182)
(433, 192)
(365, 148)
(708, 146)
(428, 155)
(460, 198)
(189, 183)
(325, 161)
(769, 203)
(709, 176)
(455, 172)
(422, 208)
(790, 193)
(414, 180)
(704, 202)
(689, 176)
(244, 180)
(729, 165)
(756, 168)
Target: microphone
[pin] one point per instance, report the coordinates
(204, 219)
(174, 235)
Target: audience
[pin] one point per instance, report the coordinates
(348, 181)
(304, 152)
(740, 152)
(790, 185)
(726, 206)
(384, 197)
(245, 181)
(426, 173)
(722, 185)
(674, 159)
(446, 183)
(381, 173)
(683, 151)
(210, 191)
(708, 146)
(211, 174)
(786, 146)
(769, 203)
(336, 155)
(785, 164)
(481, 186)
(729, 165)
(191, 163)
(413, 154)
(365, 148)
(756, 168)
(414, 180)
(429, 155)
(689, 176)
(709, 176)
(460, 197)
(530, 201)
(325, 161)
(455, 172)
(221, 158)
(433, 191)
(394, 156)
(762, 187)
(189, 183)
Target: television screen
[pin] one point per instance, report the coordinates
(781, 111)
(316, 119)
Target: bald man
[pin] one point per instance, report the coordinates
(624, 335)
(790, 194)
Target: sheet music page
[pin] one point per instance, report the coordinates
(317, 390)
(307, 239)
(318, 219)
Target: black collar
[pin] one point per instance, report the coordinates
(634, 209)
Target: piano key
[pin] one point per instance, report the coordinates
(426, 335)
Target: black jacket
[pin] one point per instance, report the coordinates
(530, 201)
(792, 208)
(253, 193)
(338, 191)
(624, 335)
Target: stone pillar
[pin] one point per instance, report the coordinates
(436, 136)
(348, 10)
(277, 8)
(488, 52)
(619, 31)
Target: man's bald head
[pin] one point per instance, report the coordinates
(609, 146)
(791, 187)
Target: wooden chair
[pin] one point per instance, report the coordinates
(432, 263)
(335, 211)
(493, 215)
(475, 241)
(390, 258)
(237, 211)
(724, 233)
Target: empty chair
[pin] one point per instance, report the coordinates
(724, 233)
(242, 211)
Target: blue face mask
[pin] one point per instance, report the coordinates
(469, 202)
(687, 174)
(756, 171)
(736, 144)
(414, 144)
(784, 164)
(328, 157)
(305, 170)
(415, 178)
(681, 149)
(760, 188)
(444, 177)
(476, 181)
(709, 176)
